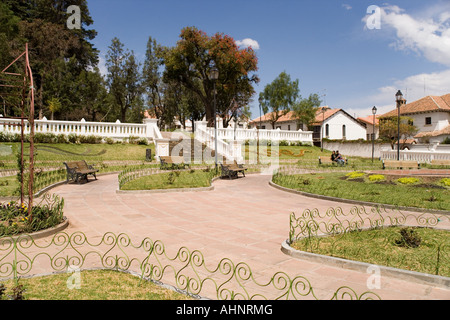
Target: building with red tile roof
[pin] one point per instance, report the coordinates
(333, 124)
(430, 114)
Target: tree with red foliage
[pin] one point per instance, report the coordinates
(192, 59)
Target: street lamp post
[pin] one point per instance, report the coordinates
(398, 99)
(374, 112)
(214, 75)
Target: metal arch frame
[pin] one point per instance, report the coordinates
(26, 95)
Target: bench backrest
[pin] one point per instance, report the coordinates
(442, 162)
(77, 165)
(177, 159)
(400, 163)
(172, 159)
(71, 165)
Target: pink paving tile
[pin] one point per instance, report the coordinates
(244, 220)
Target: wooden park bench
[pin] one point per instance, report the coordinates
(172, 162)
(79, 170)
(327, 160)
(442, 162)
(232, 169)
(401, 164)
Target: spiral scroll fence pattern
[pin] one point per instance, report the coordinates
(313, 228)
(185, 270)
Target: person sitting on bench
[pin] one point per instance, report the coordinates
(333, 156)
(339, 159)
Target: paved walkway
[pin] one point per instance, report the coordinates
(244, 220)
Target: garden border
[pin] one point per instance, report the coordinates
(43, 233)
(364, 203)
(423, 278)
(199, 189)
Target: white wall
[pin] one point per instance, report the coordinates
(439, 120)
(353, 130)
(288, 125)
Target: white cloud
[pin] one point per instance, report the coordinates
(247, 42)
(413, 88)
(429, 36)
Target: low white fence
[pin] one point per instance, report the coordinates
(305, 137)
(149, 129)
(115, 130)
(420, 156)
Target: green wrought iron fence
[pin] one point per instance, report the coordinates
(186, 270)
(355, 235)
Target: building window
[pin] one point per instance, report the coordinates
(327, 130)
(428, 121)
(344, 132)
(289, 127)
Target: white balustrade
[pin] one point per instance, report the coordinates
(148, 129)
(272, 135)
(420, 156)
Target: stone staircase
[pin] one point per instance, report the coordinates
(190, 149)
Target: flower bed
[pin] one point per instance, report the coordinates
(420, 192)
(15, 218)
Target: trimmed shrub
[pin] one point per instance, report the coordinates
(376, 177)
(409, 180)
(355, 174)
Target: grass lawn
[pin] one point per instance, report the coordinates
(381, 246)
(73, 152)
(424, 193)
(8, 186)
(49, 157)
(171, 180)
(307, 157)
(94, 285)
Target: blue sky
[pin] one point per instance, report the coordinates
(326, 44)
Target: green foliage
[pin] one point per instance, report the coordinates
(15, 218)
(389, 128)
(279, 96)
(355, 174)
(408, 180)
(17, 292)
(430, 196)
(305, 110)
(445, 182)
(191, 61)
(377, 177)
(58, 55)
(409, 238)
(416, 249)
(124, 82)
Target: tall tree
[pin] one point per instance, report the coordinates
(389, 130)
(152, 81)
(42, 24)
(279, 97)
(124, 81)
(305, 110)
(196, 53)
